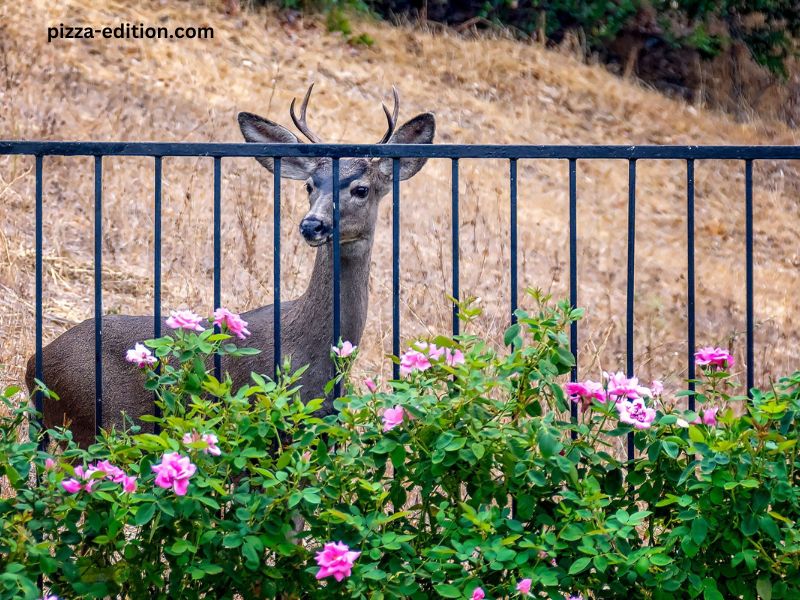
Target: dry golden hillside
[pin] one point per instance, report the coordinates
(482, 91)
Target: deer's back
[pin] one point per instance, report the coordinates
(68, 367)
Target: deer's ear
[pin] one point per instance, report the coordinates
(419, 130)
(258, 130)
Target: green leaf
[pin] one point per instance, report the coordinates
(210, 502)
(456, 444)
(548, 444)
(509, 338)
(710, 591)
(696, 435)
(180, 546)
(283, 460)
(385, 446)
(572, 533)
(445, 590)
(478, 450)
(670, 449)
(600, 563)
(246, 352)
(565, 357)
(660, 560)
(250, 554)
(764, 588)
(212, 569)
(144, 514)
(699, 530)
(579, 565)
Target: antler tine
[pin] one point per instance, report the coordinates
(391, 118)
(301, 122)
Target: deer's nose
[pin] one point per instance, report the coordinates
(314, 230)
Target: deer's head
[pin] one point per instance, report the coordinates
(362, 181)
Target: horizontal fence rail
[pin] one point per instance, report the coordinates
(454, 152)
(399, 150)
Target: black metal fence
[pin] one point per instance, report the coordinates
(631, 154)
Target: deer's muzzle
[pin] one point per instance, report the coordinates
(315, 231)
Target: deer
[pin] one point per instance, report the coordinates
(68, 365)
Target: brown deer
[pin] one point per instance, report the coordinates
(306, 322)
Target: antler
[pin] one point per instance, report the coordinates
(301, 122)
(391, 118)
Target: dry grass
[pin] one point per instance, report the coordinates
(483, 91)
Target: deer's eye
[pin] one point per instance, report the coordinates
(308, 188)
(361, 191)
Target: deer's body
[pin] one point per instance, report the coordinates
(123, 384)
(306, 322)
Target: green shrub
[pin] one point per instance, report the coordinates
(768, 28)
(466, 473)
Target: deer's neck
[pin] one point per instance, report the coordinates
(317, 302)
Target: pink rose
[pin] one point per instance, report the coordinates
(713, 357)
(453, 357)
(524, 586)
(140, 356)
(413, 360)
(621, 387)
(392, 417)
(710, 416)
(82, 480)
(128, 484)
(72, 486)
(585, 391)
(49, 464)
(112, 472)
(336, 560)
(117, 475)
(235, 324)
(634, 412)
(174, 472)
(478, 594)
(432, 350)
(210, 440)
(346, 350)
(185, 319)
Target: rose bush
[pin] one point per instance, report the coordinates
(466, 478)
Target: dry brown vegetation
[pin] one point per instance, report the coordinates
(482, 91)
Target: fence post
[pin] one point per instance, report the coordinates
(98, 293)
(631, 288)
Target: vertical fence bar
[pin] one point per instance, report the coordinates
(38, 368)
(573, 277)
(98, 293)
(217, 251)
(748, 179)
(157, 269)
(276, 263)
(690, 277)
(630, 292)
(512, 181)
(395, 265)
(337, 265)
(454, 168)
